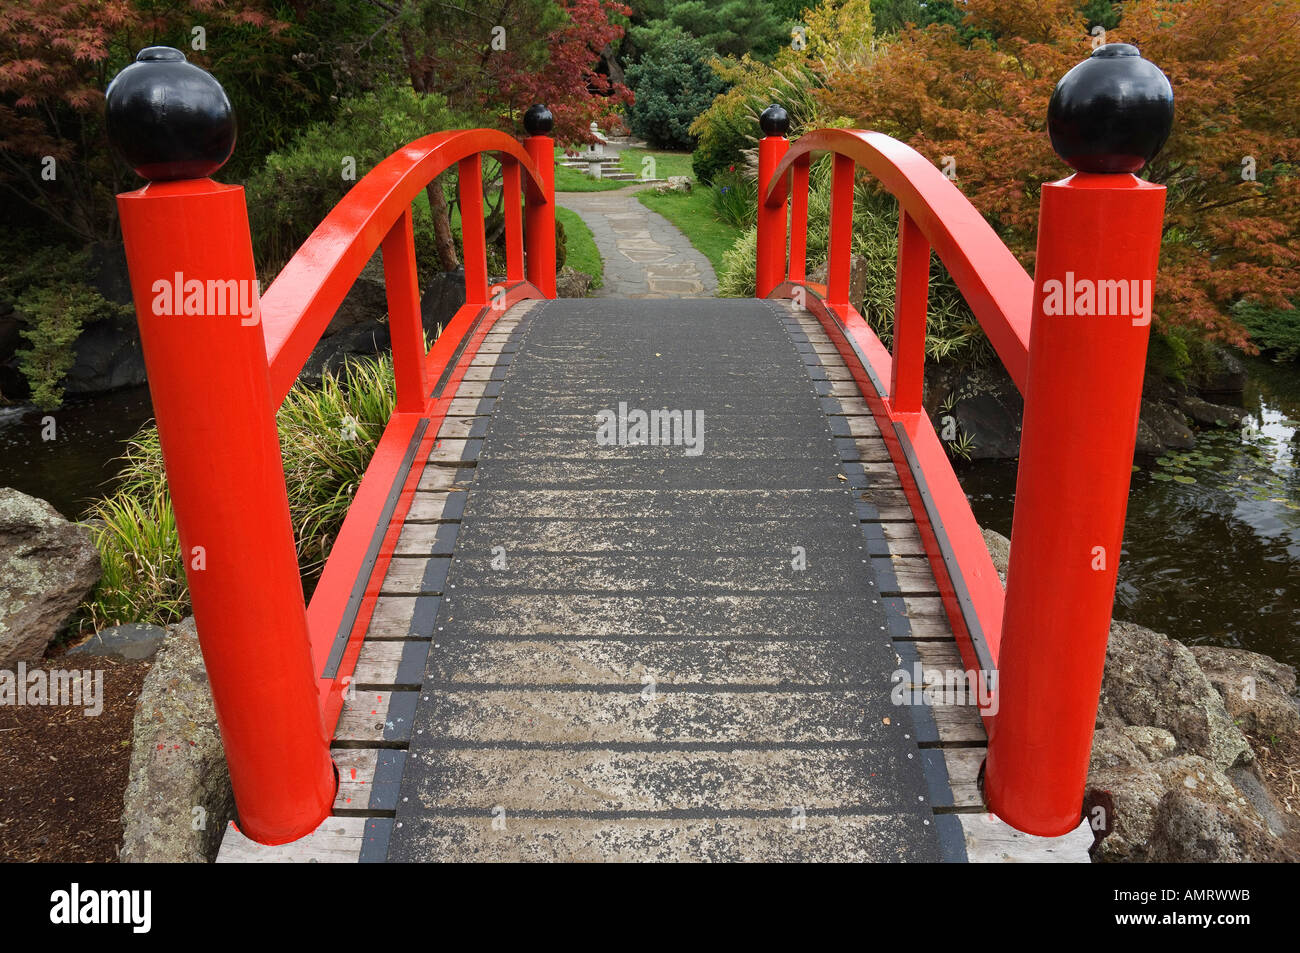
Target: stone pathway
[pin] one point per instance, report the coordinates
(645, 255)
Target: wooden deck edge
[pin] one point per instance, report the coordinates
(990, 840)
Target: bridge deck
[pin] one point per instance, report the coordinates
(592, 652)
(627, 662)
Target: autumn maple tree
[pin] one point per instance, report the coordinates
(494, 58)
(56, 57)
(1232, 227)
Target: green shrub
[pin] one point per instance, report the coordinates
(46, 284)
(297, 187)
(735, 199)
(1276, 331)
(673, 84)
(328, 436)
(728, 129)
(738, 277)
(952, 331)
(55, 317)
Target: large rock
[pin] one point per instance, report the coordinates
(178, 796)
(1222, 376)
(107, 355)
(47, 567)
(984, 404)
(1162, 426)
(999, 551)
(572, 284)
(444, 293)
(859, 275)
(1153, 680)
(1210, 415)
(334, 352)
(1171, 776)
(366, 301)
(1258, 692)
(130, 642)
(1203, 818)
(1175, 810)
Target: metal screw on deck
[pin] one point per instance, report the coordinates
(209, 379)
(1107, 118)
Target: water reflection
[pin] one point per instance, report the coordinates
(1212, 541)
(74, 467)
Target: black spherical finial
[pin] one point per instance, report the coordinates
(774, 121)
(538, 120)
(169, 118)
(1112, 112)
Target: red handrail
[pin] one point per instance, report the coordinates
(1040, 643)
(997, 288)
(299, 304)
(279, 669)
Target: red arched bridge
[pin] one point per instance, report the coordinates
(650, 579)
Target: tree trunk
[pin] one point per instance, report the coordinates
(442, 238)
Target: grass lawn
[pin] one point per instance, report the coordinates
(692, 212)
(665, 163)
(583, 255)
(630, 160)
(571, 180)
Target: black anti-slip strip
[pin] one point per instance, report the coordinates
(372, 555)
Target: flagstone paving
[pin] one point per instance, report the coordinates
(645, 255)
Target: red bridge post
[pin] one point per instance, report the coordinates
(1098, 245)
(193, 279)
(539, 205)
(775, 123)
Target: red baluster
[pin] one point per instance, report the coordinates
(539, 203)
(405, 326)
(841, 238)
(511, 199)
(473, 238)
(911, 296)
(771, 218)
(799, 221)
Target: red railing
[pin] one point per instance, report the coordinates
(1041, 642)
(278, 668)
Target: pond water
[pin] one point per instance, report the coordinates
(1211, 548)
(73, 468)
(1212, 540)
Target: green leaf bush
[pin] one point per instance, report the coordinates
(327, 435)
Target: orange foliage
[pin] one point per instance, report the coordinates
(1235, 70)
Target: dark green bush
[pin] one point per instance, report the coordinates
(729, 127)
(673, 84)
(723, 139)
(1276, 331)
(48, 288)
